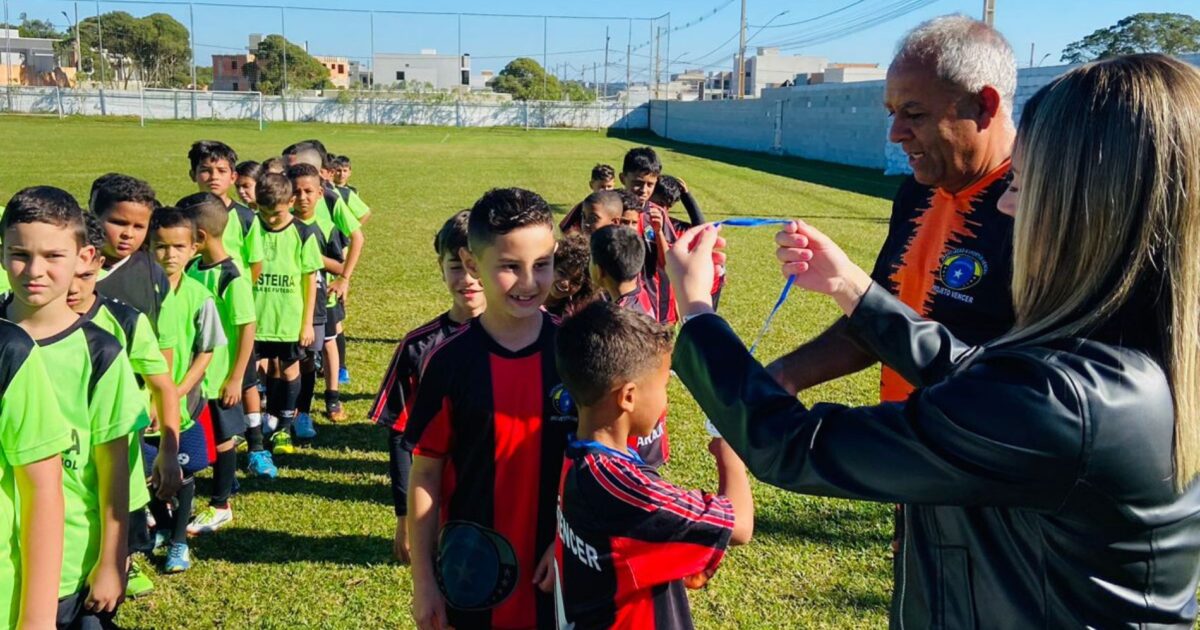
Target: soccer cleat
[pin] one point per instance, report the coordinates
(240, 443)
(335, 413)
(210, 520)
(161, 539)
(263, 465)
(138, 584)
(304, 427)
(343, 376)
(281, 442)
(178, 559)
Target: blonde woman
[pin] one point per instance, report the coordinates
(1049, 475)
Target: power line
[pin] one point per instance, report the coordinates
(811, 19)
(829, 32)
(227, 5)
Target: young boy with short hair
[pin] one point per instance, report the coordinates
(285, 301)
(603, 178)
(640, 173)
(342, 229)
(629, 542)
(491, 410)
(230, 377)
(617, 255)
(572, 288)
(397, 392)
(44, 245)
(248, 173)
(213, 170)
(124, 205)
(136, 335)
(33, 432)
(342, 170)
(306, 190)
(190, 328)
(600, 209)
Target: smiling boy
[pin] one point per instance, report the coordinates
(511, 438)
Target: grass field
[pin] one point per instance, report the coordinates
(312, 548)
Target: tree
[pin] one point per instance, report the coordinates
(204, 77)
(38, 28)
(154, 48)
(303, 71)
(526, 80)
(1170, 33)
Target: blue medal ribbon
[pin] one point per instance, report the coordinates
(787, 287)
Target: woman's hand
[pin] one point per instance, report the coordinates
(820, 265)
(691, 266)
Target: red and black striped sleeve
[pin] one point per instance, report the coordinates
(429, 432)
(661, 532)
(397, 392)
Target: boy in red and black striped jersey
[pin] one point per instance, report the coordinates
(629, 542)
(617, 257)
(491, 421)
(398, 390)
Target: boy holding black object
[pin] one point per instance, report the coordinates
(398, 390)
(190, 333)
(230, 379)
(510, 437)
(629, 542)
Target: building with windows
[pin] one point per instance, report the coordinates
(768, 69)
(229, 73)
(339, 70)
(31, 61)
(427, 68)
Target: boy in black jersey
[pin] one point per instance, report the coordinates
(124, 205)
(628, 542)
(491, 414)
(398, 390)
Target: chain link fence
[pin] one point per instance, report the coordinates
(347, 108)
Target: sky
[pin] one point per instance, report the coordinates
(696, 33)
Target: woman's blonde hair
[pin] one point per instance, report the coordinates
(1107, 234)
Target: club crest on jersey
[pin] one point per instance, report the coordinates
(564, 405)
(962, 269)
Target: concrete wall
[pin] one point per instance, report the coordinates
(844, 124)
(184, 105)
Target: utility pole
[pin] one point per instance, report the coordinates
(989, 12)
(1031, 46)
(606, 39)
(741, 64)
(545, 56)
(595, 85)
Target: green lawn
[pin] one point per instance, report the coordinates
(312, 548)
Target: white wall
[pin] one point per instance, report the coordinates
(840, 123)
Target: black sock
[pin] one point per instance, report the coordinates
(163, 520)
(224, 474)
(183, 510)
(332, 397)
(275, 395)
(287, 409)
(308, 384)
(341, 346)
(254, 438)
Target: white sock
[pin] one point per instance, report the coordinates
(254, 419)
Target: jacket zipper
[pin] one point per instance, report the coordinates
(903, 566)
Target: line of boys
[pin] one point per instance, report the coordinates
(155, 340)
(482, 404)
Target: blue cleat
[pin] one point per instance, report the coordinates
(343, 376)
(263, 465)
(304, 428)
(178, 559)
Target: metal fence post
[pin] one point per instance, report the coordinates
(260, 111)
(58, 97)
(458, 121)
(142, 104)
